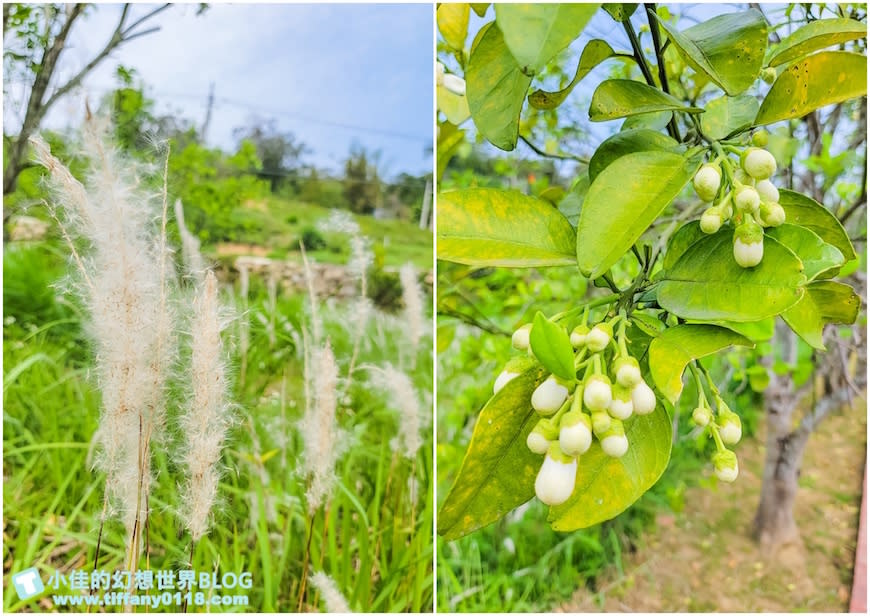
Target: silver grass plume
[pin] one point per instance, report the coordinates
(412, 300)
(190, 254)
(404, 399)
(332, 598)
(206, 417)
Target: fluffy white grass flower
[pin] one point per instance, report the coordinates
(412, 300)
(206, 418)
(321, 437)
(332, 598)
(124, 285)
(403, 398)
(190, 254)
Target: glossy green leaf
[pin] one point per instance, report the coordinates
(488, 226)
(680, 241)
(535, 33)
(453, 106)
(729, 49)
(707, 284)
(816, 35)
(626, 142)
(657, 120)
(595, 52)
(620, 11)
(728, 115)
(619, 98)
(622, 203)
(813, 82)
(671, 352)
(757, 331)
(825, 302)
(498, 471)
(495, 88)
(480, 8)
(607, 486)
(552, 347)
(452, 19)
(807, 212)
(818, 256)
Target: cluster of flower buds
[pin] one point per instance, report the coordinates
(748, 198)
(575, 412)
(725, 428)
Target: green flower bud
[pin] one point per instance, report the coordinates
(599, 337)
(758, 163)
(772, 214)
(769, 76)
(725, 465)
(730, 427)
(621, 406)
(600, 422)
(706, 182)
(575, 433)
(597, 394)
(578, 336)
(741, 177)
(701, 416)
(760, 138)
(746, 199)
(541, 436)
(711, 220)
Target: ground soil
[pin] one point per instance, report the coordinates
(704, 559)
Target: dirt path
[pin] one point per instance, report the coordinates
(703, 559)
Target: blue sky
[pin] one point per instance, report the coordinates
(306, 65)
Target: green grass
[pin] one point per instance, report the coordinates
(374, 537)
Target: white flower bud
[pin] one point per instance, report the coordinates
(503, 379)
(596, 393)
(578, 336)
(643, 399)
(614, 442)
(621, 406)
(626, 370)
(575, 433)
(706, 182)
(520, 339)
(725, 465)
(701, 416)
(600, 422)
(748, 255)
(599, 337)
(767, 191)
(772, 214)
(555, 481)
(711, 220)
(758, 163)
(537, 442)
(746, 199)
(730, 427)
(454, 83)
(741, 177)
(549, 396)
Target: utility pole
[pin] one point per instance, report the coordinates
(427, 205)
(208, 109)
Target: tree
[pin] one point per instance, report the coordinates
(279, 152)
(362, 184)
(686, 278)
(35, 37)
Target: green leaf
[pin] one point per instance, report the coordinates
(552, 347)
(620, 11)
(757, 331)
(622, 203)
(822, 79)
(626, 142)
(495, 88)
(728, 115)
(680, 241)
(619, 98)
(535, 33)
(729, 49)
(480, 8)
(607, 486)
(452, 21)
(671, 352)
(498, 471)
(814, 36)
(818, 256)
(450, 139)
(488, 226)
(825, 302)
(707, 284)
(654, 121)
(595, 52)
(807, 212)
(454, 106)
